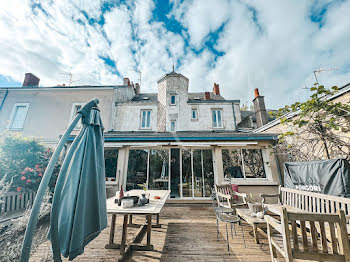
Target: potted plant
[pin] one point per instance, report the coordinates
(254, 204)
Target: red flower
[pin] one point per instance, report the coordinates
(40, 174)
(31, 169)
(27, 169)
(19, 189)
(36, 166)
(28, 181)
(23, 172)
(23, 178)
(39, 170)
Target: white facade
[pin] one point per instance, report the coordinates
(172, 109)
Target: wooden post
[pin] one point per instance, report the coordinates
(125, 228)
(111, 234)
(149, 229)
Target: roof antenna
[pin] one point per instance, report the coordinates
(173, 67)
(320, 70)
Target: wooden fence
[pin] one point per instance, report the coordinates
(13, 201)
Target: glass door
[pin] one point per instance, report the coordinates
(197, 176)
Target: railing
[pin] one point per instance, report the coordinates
(314, 202)
(14, 201)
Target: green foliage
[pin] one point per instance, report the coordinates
(316, 120)
(22, 161)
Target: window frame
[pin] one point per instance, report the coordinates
(265, 163)
(172, 121)
(171, 98)
(13, 114)
(147, 118)
(196, 112)
(216, 114)
(73, 113)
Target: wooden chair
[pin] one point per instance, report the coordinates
(227, 198)
(309, 233)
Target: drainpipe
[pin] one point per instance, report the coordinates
(278, 167)
(3, 100)
(234, 116)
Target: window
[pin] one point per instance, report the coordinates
(172, 126)
(111, 160)
(243, 163)
(217, 118)
(18, 116)
(75, 108)
(194, 115)
(145, 119)
(173, 100)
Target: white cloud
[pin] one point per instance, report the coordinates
(266, 44)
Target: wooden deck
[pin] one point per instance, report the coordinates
(188, 233)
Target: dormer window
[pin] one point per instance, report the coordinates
(173, 100)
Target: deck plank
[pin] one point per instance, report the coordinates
(188, 233)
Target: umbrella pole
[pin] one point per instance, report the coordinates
(28, 236)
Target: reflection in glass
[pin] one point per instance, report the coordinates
(111, 160)
(253, 163)
(137, 168)
(158, 169)
(232, 163)
(198, 174)
(208, 171)
(175, 172)
(186, 173)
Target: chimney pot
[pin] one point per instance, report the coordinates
(256, 92)
(126, 81)
(30, 80)
(216, 89)
(137, 89)
(207, 96)
(260, 109)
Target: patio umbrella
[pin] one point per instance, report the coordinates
(78, 211)
(79, 204)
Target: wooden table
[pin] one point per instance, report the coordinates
(152, 208)
(258, 224)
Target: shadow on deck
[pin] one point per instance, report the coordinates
(188, 233)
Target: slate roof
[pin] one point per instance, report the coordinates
(142, 97)
(187, 136)
(198, 97)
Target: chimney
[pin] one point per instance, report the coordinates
(30, 80)
(137, 89)
(216, 89)
(260, 110)
(126, 81)
(207, 96)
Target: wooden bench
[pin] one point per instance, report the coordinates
(227, 198)
(307, 232)
(309, 201)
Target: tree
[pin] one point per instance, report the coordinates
(317, 127)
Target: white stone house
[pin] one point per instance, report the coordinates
(172, 139)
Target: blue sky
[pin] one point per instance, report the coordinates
(241, 45)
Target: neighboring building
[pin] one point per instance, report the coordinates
(343, 96)
(171, 139)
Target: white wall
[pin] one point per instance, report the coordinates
(128, 116)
